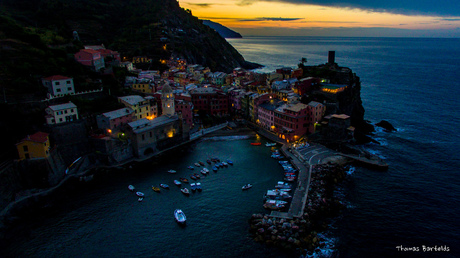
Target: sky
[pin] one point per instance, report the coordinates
(353, 18)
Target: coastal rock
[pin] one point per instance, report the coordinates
(386, 126)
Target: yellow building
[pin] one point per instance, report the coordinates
(138, 104)
(34, 146)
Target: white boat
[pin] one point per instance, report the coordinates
(190, 167)
(165, 186)
(229, 162)
(224, 163)
(246, 186)
(275, 204)
(140, 194)
(179, 215)
(283, 185)
(140, 199)
(193, 187)
(268, 144)
(177, 182)
(185, 191)
(198, 186)
(172, 171)
(131, 187)
(205, 170)
(197, 164)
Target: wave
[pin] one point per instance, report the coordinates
(328, 250)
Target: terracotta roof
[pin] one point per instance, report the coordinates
(56, 77)
(40, 137)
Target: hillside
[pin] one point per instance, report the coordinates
(157, 29)
(222, 30)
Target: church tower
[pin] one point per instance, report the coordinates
(167, 100)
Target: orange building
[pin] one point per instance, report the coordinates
(34, 146)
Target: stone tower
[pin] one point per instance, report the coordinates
(167, 100)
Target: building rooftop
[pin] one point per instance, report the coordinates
(132, 99)
(62, 106)
(209, 90)
(143, 125)
(341, 116)
(314, 104)
(118, 113)
(40, 137)
(271, 106)
(56, 77)
(297, 107)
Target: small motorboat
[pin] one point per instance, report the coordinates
(193, 187)
(185, 191)
(193, 177)
(179, 215)
(172, 171)
(203, 172)
(177, 182)
(229, 162)
(214, 168)
(165, 186)
(140, 199)
(256, 143)
(184, 180)
(275, 204)
(156, 189)
(131, 188)
(197, 164)
(268, 144)
(201, 163)
(198, 186)
(208, 161)
(246, 186)
(191, 167)
(225, 164)
(197, 176)
(140, 194)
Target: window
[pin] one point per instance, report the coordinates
(143, 136)
(58, 90)
(65, 111)
(69, 88)
(25, 147)
(68, 82)
(60, 119)
(71, 110)
(56, 83)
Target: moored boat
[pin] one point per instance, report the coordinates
(140, 199)
(193, 187)
(156, 189)
(165, 186)
(208, 161)
(246, 186)
(180, 217)
(185, 191)
(229, 162)
(131, 188)
(172, 171)
(177, 182)
(197, 164)
(214, 168)
(268, 144)
(140, 194)
(275, 204)
(190, 167)
(256, 143)
(225, 164)
(203, 172)
(198, 186)
(183, 180)
(201, 163)
(193, 177)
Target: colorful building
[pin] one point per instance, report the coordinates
(266, 114)
(91, 58)
(210, 100)
(291, 121)
(316, 113)
(138, 104)
(62, 113)
(34, 146)
(59, 85)
(114, 121)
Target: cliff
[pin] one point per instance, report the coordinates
(222, 30)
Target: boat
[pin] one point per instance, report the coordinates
(208, 161)
(198, 186)
(256, 143)
(201, 163)
(246, 186)
(268, 144)
(185, 191)
(283, 185)
(131, 188)
(229, 162)
(179, 215)
(225, 164)
(190, 167)
(140, 194)
(275, 204)
(197, 164)
(277, 194)
(172, 171)
(203, 172)
(214, 168)
(165, 186)
(177, 182)
(140, 199)
(183, 180)
(197, 176)
(193, 187)
(156, 189)
(193, 177)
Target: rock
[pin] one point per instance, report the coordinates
(386, 125)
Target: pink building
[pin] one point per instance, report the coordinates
(316, 112)
(114, 120)
(186, 109)
(266, 114)
(90, 57)
(291, 121)
(305, 85)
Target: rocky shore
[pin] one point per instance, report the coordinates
(301, 235)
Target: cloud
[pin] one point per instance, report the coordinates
(270, 19)
(202, 5)
(450, 19)
(406, 7)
